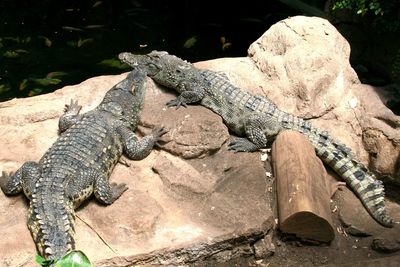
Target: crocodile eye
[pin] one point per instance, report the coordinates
(152, 69)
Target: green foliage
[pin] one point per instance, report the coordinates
(384, 13)
(360, 6)
(31, 84)
(4, 88)
(73, 258)
(14, 53)
(42, 262)
(113, 63)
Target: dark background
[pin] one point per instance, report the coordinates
(45, 45)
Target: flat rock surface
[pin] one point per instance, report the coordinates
(192, 200)
(191, 191)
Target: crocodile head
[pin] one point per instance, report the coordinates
(165, 69)
(124, 103)
(151, 62)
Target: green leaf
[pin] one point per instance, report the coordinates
(14, 53)
(113, 63)
(46, 81)
(4, 88)
(47, 41)
(21, 51)
(94, 26)
(15, 39)
(10, 54)
(35, 91)
(82, 42)
(71, 29)
(54, 74)
(73, 258)
(190, 42)
(226, 46)
(23, 84)
(42, 262)
(97, 3)
(39, 259)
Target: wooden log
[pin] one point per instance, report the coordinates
(303, 190)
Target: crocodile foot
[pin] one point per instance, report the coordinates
(73, 107)
(177, 102)
(157, 133)
(242, 145)
(117, 190)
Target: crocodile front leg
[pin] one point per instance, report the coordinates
(139, 149)
(24, 179)
(187, 96)
(259, 128)
(70, 116)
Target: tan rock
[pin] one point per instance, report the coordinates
(172, 202)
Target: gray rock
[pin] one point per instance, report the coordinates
(385, 245)
(264, 248)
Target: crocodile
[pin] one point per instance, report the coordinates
(79, 164)
(257, 120)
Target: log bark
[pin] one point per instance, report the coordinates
(303, 190)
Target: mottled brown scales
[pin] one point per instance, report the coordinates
(258, 120)
(79, 164)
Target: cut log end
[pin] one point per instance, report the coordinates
(303, 191)
(307, 225)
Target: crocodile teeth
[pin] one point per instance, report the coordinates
(48, 250)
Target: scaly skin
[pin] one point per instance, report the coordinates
(259, 120)
(80, 162)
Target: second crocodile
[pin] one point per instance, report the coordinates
(259, 120)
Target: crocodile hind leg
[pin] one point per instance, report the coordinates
(24, 179)
(259, 128)
(70, 116)
(107, 193)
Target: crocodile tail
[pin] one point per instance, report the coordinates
(51, 222)
(364, 183)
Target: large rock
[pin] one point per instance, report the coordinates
(193, 198)
(302, 65)
(305, 67)
(172, 201)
